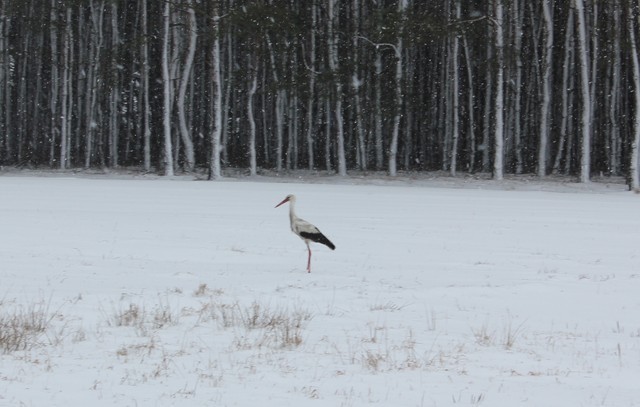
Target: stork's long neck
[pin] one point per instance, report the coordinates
(292, 211)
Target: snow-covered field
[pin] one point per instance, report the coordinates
(155, 292)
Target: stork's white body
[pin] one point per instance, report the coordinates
(305, 230)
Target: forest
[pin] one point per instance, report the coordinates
(459, 86)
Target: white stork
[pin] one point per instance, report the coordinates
(305, 230)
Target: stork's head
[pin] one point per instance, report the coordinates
(288, 198)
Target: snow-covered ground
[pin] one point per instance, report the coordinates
(155, 292)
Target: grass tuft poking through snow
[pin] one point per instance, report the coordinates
(23, 326)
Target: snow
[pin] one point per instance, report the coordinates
(163, 292)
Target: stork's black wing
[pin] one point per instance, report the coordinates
(318, 238)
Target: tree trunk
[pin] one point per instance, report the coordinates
(499, 102)
(65, 94)
(585, 162)
(356, 82)
(455, 95)
(486, 128)
(55, 116)
(393, 145)
(470, 106)
(185, 133)
(566, 66)
(215, 170)
(253, 85)
(166, 81)
(518, 11)
(545, 108)
(333, 37)
(378, 112)
(614, 103)
(146, 113)
(635, 144)
(312, 85)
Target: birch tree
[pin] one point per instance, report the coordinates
(356, 83)
(215, 170)
(393, 145)
(251, 91)
(55, 86)
(614, 96)
(146, 112)
(499, 100)
(455, 94)
(333, 38)
(545, 108)
(586, 119)
(635, 143)
(115, 88)
(167, 99)
(189, 153)
(566, 80)
(312, 85)
(66, 84)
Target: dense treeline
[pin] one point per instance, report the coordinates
(515, 86)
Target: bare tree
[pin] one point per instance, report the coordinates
(498, 170)
(333, 38)
(189, 153)
(635, 144)
(252, 87)
(545, 107)
(166, 81)
(586, 120)
(215, 170)
(146, 112)
(455, 94)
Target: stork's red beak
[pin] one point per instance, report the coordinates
(284, 201)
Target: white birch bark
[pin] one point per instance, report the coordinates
(332, 37)
(356, 82)
(114, 92)
(312, 85)
(146, 114)
(635, 144)
(586, 119)
(470, 107)
(55, 86)
(215, 169)
(97, 12)
(393, 145)
(279, 108)
(185, 134)
(378, 112)
(486, 128)
(545, 108)
(327, 133)
(227, 80)
(166, 81)
(65, 93)
(566, 64)
(518, 11)
(175, 47)
(251, 91)
(498, 173)
(614, 104)
(455, 92)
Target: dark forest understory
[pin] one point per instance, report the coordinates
(502, 87)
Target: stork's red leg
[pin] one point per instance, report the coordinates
(309, 260)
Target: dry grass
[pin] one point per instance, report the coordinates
(144, 321)
(272, 327)
(21, 327)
